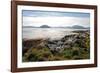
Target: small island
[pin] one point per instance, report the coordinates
(44, 26)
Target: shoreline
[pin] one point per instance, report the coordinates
(70, 43)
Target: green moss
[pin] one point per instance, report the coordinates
(79, 50)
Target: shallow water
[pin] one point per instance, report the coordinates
(45, 33)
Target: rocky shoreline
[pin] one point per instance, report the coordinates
(76, 44)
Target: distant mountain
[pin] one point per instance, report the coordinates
(88, 27)
(78, 27)
(70, 27)
(29, 27)
(44, 26)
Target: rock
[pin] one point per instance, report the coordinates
(66, 46)
(60, 43)
(56, 45)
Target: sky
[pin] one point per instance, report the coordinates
(55, 18)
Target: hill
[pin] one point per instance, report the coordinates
(44, 26)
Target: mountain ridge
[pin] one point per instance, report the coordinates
(46, 26)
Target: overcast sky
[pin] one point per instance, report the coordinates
(54, 18)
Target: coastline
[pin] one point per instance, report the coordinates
(70, 47)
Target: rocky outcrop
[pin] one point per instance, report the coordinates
(66, 42)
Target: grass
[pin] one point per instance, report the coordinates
(78, 50)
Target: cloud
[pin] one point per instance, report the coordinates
(56, 21)
(43, 13)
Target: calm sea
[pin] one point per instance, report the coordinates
(44, 33)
